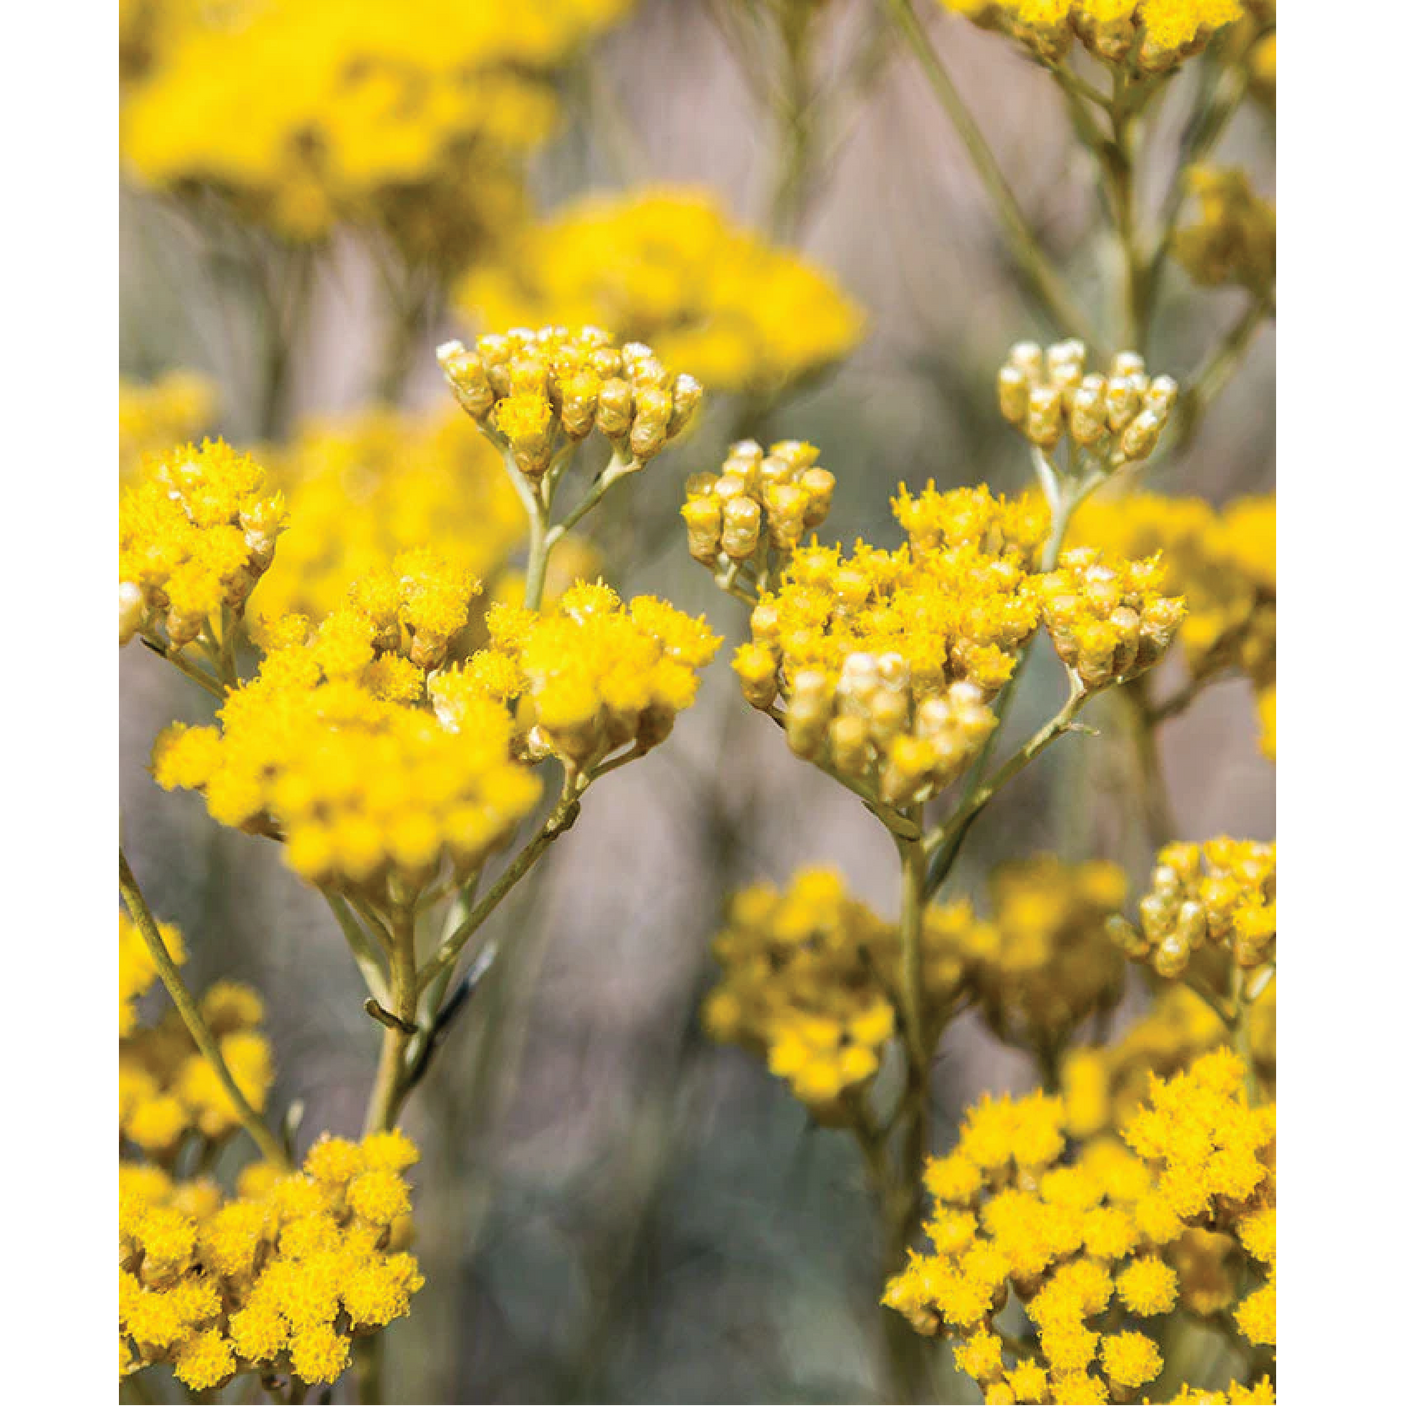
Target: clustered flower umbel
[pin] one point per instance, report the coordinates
(195, 534)
(1107, 618)
(1117, 418)
(1090, 1240)
(762, 500)
(280, 1279)
(809, 981)
(882, 665)
(332, 744)
(584, 680)
(1142, 36)
(542, 390)
(1220, 893)
(885, 661)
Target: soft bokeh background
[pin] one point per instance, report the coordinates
(612, 1208)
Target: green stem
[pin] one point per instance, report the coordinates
(1063, 312)
(368, 958)
(193, 672)
(561, 819)
(386, 1092)
(1216, 371)
(189, 1010)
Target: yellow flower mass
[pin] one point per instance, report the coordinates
(665, 266)
(1221, 562)
(365, 488)
(330, 744)
(1148, 36)
(196, 531)
(808, 980)
(278, 1277)
(1079, 1238)
(1234, 240)
(308, 113)
(152, 417)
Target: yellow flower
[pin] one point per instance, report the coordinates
(151, 418)
(808, 976)
(1234, 240)
(309, 113)
(195, 533)
(664, 266)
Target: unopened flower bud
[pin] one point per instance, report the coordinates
(1044, 420)
(688, 394)
(467, 378)
(742, 520)
(614, 403)
(1013, 393)
(131, 607)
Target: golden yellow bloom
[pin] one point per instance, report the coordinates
(195, 534)
(219, 1286)
(1052, 964)
(151, 418)
(808, 977)
(363, 489)
(538, 392)
(1072, 1236)
(664, 266)
(332, 745)
(885, 661)
(1221, 893)
(1234, 240)
(166, 1088)
(308, 113)
(1116, 418)
(135, 968)
(1147, 36)
(1222, 563)
(585, 679)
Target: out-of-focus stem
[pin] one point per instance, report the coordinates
(189, 1010)
(387, 1091)
(1064, 314)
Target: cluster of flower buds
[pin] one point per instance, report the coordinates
(543, 390)
(1047, 395)
(771, 496)
(873, 731)
(196, 532)
(1220, 893)
(1108, 620)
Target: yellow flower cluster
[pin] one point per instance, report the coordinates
(1108, 619)
(331, 744)
(135, 969)
(665, 266)
(1082, 1241)
(167, 1088)
(586, 679)
(195, 533)
(1103, 1086)
(1119, 417)
(885, 661)
(365, 488)
(1052, 964)
(309, 113)
(1234, 240)
(1235, 1394)
(761, 498)
(541, 391)
(1146, 36)
(277, 1280)
(1220, 893)
(152, 417)
(1222, 563)
(810, 978)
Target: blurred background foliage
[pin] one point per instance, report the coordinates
(612, 1208)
